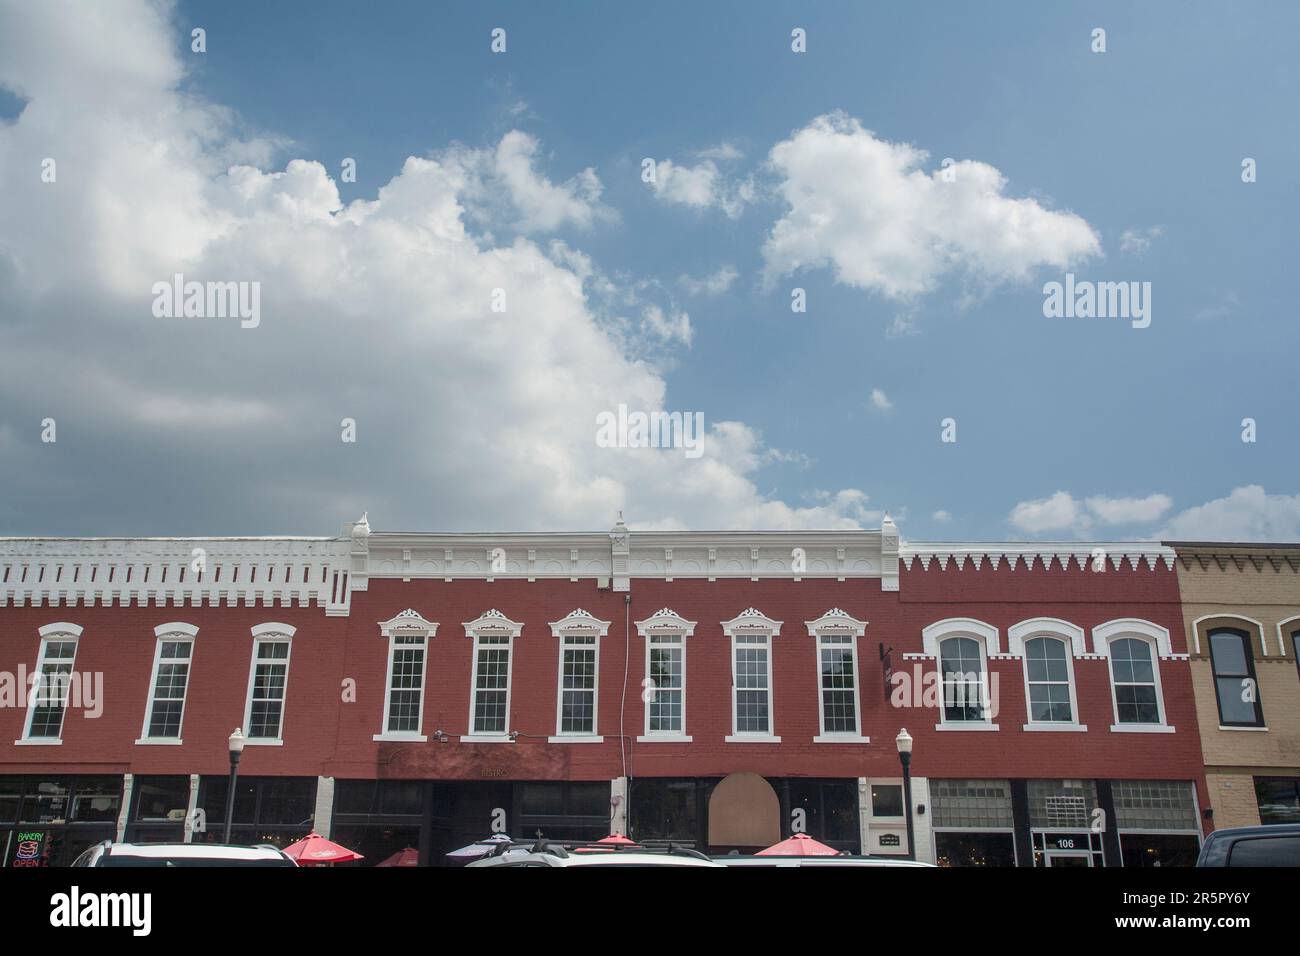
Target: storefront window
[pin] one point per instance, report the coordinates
(974, 849)
(46, 801)
(1160, 849)
(573, 811)
(1278, 799)
(49, 822)
(11, 791)
(886, 800)
(275, 810)
(665, 809)
(1154, 805)
(829, 810)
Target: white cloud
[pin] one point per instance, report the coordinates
(673, 326)
(1129, 510)
(713, 284)
(377, 311)
(880, 401)
(1247, 513)
(1060, 512)
(702, 186)
(1138, 241)
(507, 174)
(866, 208)
(1063, 512)
(941, 516)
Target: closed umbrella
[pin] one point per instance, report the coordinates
(801, 844)
(315, 850)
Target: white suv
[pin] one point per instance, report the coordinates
(109, 853)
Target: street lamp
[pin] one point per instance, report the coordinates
(236, 751)
(904, 742)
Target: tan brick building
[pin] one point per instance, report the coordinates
(1241, 611)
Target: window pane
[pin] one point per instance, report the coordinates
(1228, 652)
(886, 800)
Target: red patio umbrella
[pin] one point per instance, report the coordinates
(408, 857)
(315, 850)
(612, 842)
(801, 844)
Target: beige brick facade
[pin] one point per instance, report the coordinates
(1254, 589)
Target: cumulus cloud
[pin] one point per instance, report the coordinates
(1063, 512)
(703, 185)
(1247, 513)
(672, 326)
(507, 175)
(379, 311)
(867, 208)
(880, 401)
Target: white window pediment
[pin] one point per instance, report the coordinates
(62, 629)
(1103, 634)
(932, 635)
(273, 629)
(836, 621)
(409, 622)
(665, 621)
(177, 629)
(751, 621)
(1072, 634)
(579, 623)
(493, 624)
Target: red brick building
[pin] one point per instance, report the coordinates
(718, 689)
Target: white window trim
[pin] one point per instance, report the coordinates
(1073, 637)
(984, 635)
(1283, 636)
(577, 623)
(175, 632)
(665, 623)
(1157, 638)
(409, 623)
(753, 623)
(837, 623)
(63, 631)
(271, 634)
(491, 624)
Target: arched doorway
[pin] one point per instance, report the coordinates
(744, 813)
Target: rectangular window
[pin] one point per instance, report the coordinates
(171, 679)
(1278, 799)
(53, 682)
(405, 684)
(1133, 673)
(491, 685)
(837, 660)
(1234, 679)
(666, 691)
(266, 691)
(578, 685)
(752, 669)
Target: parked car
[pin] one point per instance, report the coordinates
(816, 861)
(1274, 845)
(109, 853)
(556, 855)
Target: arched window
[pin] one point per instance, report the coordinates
(965, 680)
(1134, 648)
(1047, 666)
(1235, 685)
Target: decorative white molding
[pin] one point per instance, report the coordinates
(493, 624)
(1073, 555)
(932, 635)
(1250, 622)
(177, 629)
(579, 623)
(1017, 634)
(61, 629)
(751, 621)
(272, 629)
(836, 621)
(665, 621)
(409, 622)
(1103, 634)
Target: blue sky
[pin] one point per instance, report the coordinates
(1146, 138)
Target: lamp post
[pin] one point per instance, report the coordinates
(236, 751)
(904, 742)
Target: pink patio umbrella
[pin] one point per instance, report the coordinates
(315, 850)
(801, 844)
(612, 842)
(408, 857)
